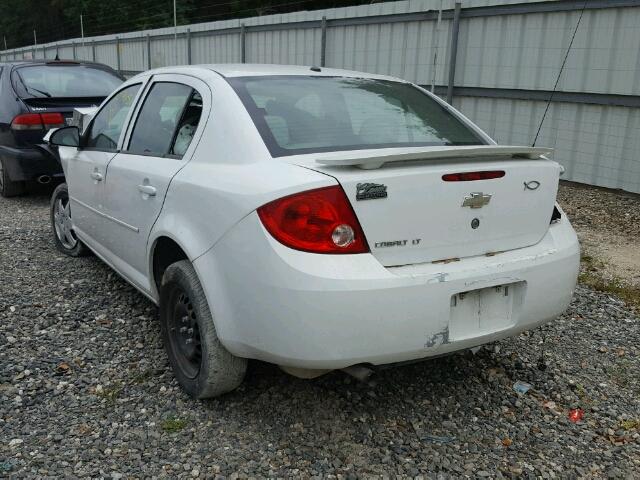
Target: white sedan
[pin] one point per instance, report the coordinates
(314, 218)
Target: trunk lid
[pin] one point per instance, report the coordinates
(424, 218)
(64, 106)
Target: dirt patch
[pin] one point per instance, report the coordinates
(621, 256)
(608, 226)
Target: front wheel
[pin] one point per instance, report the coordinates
(202, 365)
(63, 234)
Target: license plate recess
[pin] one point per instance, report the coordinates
(484, 311)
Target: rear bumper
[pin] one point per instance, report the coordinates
(331, 311)
(29, 163)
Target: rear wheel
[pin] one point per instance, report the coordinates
(64, 236)
(202, 365)
(9, 188)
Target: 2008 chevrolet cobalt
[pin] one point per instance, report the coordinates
(313, 218)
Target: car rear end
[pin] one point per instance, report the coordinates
(40, 96)
(427, 238)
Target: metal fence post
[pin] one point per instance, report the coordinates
(73, 49)
(118, 54)
(57, 52)
(188, 46)
(243, 51)
(323, 41)
(93, 50)
(453, 54)
(148, 52)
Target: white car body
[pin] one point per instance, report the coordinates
(456, 288)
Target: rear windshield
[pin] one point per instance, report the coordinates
(64, 81)
(296, 115)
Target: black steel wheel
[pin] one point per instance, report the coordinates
(202, 365)
(184, 333)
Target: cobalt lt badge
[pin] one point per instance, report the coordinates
(369, 191)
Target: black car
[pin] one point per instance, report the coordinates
(35, 96)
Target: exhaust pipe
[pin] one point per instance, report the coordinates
(44, 179)
(359, 372)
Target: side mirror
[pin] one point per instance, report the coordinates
(65, 137)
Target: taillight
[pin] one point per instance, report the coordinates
(37, 121)
(52, 120)
(317, 221)
(472, 176)
(27, 121)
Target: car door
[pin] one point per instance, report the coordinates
(85, 171)
(168, 122)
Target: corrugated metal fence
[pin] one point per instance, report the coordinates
(496, 60)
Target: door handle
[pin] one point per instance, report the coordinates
(97, 176)
(148, 190)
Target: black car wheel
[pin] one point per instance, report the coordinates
(202, 365)
(64, 236)
(9, 188)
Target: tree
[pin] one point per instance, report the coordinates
(60, 19)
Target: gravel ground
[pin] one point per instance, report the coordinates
(608, 225)
(86, 391)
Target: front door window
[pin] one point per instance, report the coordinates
(107, 126)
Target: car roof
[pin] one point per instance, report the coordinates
(230, 70)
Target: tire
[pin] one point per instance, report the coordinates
(63, 235)
(201, 364)
(9, 188)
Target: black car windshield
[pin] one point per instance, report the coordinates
(64, 81)
(298, 114)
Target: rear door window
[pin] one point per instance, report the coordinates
(167, 120)
(187, 126)
(64, 81)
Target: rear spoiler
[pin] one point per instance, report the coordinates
(370, 159)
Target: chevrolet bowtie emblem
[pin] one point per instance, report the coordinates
(476, 200)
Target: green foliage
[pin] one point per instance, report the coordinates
(111, 393)
(173, 424)
(591, 275)
(60, 19)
